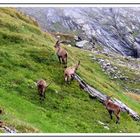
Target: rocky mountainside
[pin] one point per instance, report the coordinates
(114, 29)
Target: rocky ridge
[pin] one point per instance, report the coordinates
(115, 29)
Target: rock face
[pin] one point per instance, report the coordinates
(115, 29)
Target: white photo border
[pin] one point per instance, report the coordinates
(61, 136)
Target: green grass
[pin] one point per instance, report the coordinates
(26, 55)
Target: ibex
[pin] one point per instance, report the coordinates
(70, 72)
(61, 53)
(42, 85)
(1, 111)
(113, 108)
(1, 122)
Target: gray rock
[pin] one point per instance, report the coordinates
(114, 29)
(101, 123)
(106, 127)
(84, 44)
(81, 44)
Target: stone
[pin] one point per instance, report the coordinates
(69, 45)
(84, 44)
(81, 44)
(100, 122)
(106, 127)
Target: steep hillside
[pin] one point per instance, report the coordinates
(26, 55)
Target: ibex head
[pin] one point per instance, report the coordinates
(57, 44)
(109, 97)
(107, 100)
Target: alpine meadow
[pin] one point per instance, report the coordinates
(28, 54)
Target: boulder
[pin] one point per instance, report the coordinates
(84, 44)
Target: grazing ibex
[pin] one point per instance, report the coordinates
(42, 85)
(70, 72)
(1, 122)
(61, 52)
(1, 111)
(113, 108)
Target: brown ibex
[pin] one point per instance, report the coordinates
(1, 122)
(61, 52)
(42, 85)
(70, 72)
(113, 108)
(1, 111)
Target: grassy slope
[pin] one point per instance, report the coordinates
(26, 55)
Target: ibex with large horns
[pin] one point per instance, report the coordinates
(61, 52)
